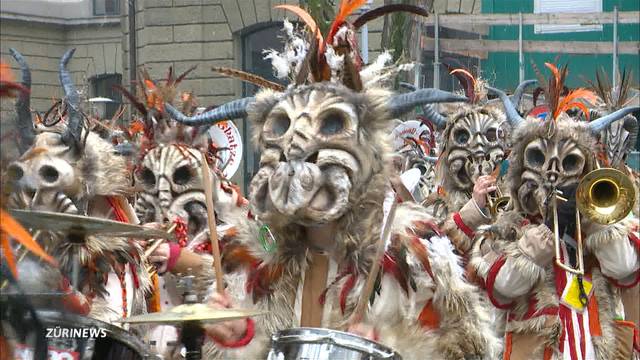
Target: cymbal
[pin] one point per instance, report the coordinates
(191, 312)
(84, 225)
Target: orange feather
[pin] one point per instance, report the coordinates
(347, 7)
(8, 254)
(554, 70)
(465, 72)
(15, 230)
(572, 99)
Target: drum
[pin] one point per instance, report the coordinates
(74, 337)
(321, 344)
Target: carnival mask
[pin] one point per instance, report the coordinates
(311, 155)
(475, 145)
(170, 178)
(548, 164)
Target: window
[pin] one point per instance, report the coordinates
(253, 44)
(566, 6)
(106, 7)
(102, 86)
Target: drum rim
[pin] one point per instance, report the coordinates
(381, 350)
(77, 320)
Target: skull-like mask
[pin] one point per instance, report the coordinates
(551, 156)
(313, 154)
(475, 145)
(171, 180)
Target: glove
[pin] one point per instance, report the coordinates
(566, 211)
(537, 244)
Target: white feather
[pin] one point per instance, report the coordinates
(335, 62)
(442, 255)
(289, 61)
(372, 70)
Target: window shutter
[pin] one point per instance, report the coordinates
(566, 6)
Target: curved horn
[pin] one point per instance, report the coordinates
(408, 86)
(512, 114)
(404, 103)
(519, 91)
(429, 111)
(631, 125)
(601, 123)
(235, 109)
(23, 105)
(72, 98)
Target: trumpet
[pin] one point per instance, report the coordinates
(497, 202)
(604, 196)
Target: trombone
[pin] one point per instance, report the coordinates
(604, 196)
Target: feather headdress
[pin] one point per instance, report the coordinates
(613, 98)
(557, 98)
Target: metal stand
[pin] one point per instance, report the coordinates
(192, 332)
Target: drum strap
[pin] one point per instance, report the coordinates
(315, 281)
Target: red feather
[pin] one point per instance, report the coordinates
(346, 289)
(346, 8)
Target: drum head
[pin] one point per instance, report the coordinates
(317, 344)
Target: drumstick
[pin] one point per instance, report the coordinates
(358, 312)
(211, 220)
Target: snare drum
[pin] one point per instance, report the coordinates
(74, 337)
(321, 344)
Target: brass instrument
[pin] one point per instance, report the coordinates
(605, 196)
(497, 203)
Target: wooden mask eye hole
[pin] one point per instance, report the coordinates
(535, 157)
(461, 136)
(280, 125)
(182, 175)
(332, 124)
(148, 177)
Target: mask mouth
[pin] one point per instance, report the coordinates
(43, 200)
(314, 191)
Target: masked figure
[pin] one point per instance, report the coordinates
(554, 313)
(168, 174)
(68, 169)
(318, 206)
(616, 141)
(475, 143)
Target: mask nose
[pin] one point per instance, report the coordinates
(164, 192)
(553, 171)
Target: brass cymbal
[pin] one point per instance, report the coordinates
(85, 225)
(191, 312)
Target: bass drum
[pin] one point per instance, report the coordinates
(321, 344)
(75, 337)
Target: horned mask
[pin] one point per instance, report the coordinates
(620, 137)
(474, 136)
(324, 138)
(63, 164)
(556, 152)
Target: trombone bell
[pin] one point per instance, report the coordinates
(605, 196)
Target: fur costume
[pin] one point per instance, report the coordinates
(325, 144)
(548, 154)
(474, 142)
(168, 175)
(617, 140)
(69, 169)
